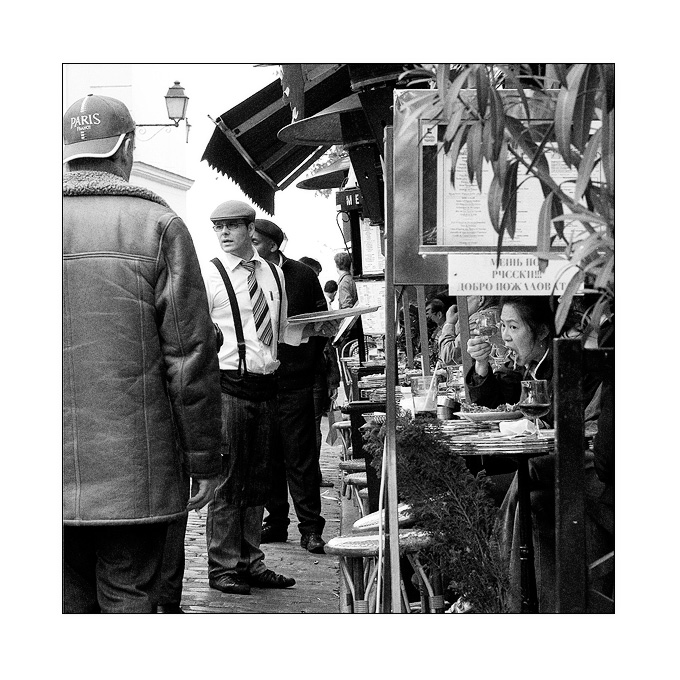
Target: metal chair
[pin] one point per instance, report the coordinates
(358, 558)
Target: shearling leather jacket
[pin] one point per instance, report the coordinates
(141, 395)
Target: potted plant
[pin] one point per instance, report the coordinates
(454, 506)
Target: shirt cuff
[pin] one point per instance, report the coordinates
(292, 335)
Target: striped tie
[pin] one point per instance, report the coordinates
(263, 322)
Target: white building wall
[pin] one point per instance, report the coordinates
(160, 153)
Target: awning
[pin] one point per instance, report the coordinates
(245, 145)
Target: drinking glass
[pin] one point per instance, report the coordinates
(424, 391)
(487, 323)
(534, 402)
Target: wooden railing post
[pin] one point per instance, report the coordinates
(570, 535)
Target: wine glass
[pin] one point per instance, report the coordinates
(487, 323)
(534, 401)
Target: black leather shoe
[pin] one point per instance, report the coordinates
(272, 534)
(230, 584)
(173, 608)
(268, 579)
(313, 543)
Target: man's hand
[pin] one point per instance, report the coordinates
(326, 329)
(202, 491)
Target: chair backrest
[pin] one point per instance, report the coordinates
(575, 578)
(345, 353)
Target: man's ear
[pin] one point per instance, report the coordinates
(129, 145)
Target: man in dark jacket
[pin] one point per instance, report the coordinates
(141, 396)
(296, 467)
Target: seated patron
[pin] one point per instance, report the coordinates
(527, 329)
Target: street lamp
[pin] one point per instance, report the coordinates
(177, 103)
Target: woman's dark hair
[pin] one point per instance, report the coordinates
(535, 311)
(330, 286)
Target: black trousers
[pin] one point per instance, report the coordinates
(172, 569)
(112, 569)
(295, 464)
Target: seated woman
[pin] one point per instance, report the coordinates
(527, 328)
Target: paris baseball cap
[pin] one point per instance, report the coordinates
(94, 127)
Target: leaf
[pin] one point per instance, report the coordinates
(499, 244)
(453, 91)
(564, 111)
(443, 71)
(515, 84)
(606, 276)
(500, 166)
(585, 169)
(509, 200)
(415, 110)
(540, 150)
(482, 83)
(453, 126)
(510, 182)
(561, 72)
(487, 142)
(566, 299)
(496, 124)
(608, 149)
(474, 153)
(585, 248)
(584, 108)
(456, 146)
(555, 75)
(494, 202)
(544, 229)
(521, 137)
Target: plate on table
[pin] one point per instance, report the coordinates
(330, 314)
(489, 416)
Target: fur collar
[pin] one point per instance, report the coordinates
(97, 183)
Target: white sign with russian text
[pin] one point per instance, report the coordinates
(517, 274)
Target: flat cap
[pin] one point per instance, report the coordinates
(270, 229)
(233, 210)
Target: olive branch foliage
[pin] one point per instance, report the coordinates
(559, 108)
(454, 505)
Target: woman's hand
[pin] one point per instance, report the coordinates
(480, 350)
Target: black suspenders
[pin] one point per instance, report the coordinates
(238, 326)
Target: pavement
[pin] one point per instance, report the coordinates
(317, 576)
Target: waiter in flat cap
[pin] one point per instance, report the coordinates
(296, 461)
(247, 299)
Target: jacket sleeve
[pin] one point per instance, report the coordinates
(187, 339)
(346, 296)
(447, 346)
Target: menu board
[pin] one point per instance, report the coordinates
(461, 223)
(372, 293)
(372, 258)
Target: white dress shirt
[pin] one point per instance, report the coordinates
(260, 358)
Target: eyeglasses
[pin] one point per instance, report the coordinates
(229, 226)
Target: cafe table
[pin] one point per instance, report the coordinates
(518, 449)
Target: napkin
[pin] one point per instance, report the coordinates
(522, 426)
